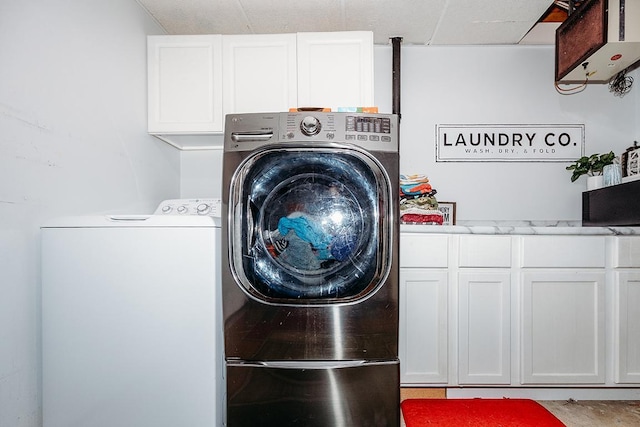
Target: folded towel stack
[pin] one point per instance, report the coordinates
(418, 204)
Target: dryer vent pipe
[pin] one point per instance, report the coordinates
(395, 90)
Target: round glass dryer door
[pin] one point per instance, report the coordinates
(310, 226)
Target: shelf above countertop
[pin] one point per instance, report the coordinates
(190, 142)
(560, 228)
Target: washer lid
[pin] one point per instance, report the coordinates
(127, 221)
(310, 226)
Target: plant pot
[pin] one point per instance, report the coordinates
(595, 182)
(612, 174)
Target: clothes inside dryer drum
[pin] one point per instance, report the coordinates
(311, 228)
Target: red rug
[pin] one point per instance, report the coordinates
(477, 412)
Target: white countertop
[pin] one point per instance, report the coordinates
(522, 228)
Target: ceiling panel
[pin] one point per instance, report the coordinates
(417, 21)
(413, 20)
(198, 16)
(488, 21)
(290, 16)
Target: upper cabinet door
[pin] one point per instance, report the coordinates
(185, 84)
(335, 69)
(259, 73)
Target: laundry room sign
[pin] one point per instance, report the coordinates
(509, 143)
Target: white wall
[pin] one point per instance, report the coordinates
(499, 85)
(201, 174)
(480, 85)
(72, 141)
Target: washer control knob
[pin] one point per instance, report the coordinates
(166, 209)
(182, 209)
(310, 126)
(203, 209)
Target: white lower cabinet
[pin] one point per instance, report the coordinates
(423, 326)
(563, 327)
(626, 318)
(520, 312)
(627, 327)
(484, 327)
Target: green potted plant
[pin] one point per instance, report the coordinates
(592, 166)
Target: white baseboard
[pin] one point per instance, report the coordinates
(545, 393)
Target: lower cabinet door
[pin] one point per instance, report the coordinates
(484, 327)
(563, 327)
(423, 326)
(627, 327)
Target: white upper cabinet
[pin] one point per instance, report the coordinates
(185, 84)
(335, 69)
(194, 81)
(259, 73)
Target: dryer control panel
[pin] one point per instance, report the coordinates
(373, 132)
(346, 127)
(202, 207)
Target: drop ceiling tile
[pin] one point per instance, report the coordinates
(541, 33)
(488, 21)
(198, 16)
(417, 21)
(290, 16)
(413, 20)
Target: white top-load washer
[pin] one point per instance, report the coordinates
(131, 319)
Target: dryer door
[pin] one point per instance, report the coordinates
(309, 225)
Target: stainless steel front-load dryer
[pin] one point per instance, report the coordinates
(310, 269)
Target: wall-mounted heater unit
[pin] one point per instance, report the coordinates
(597, 41)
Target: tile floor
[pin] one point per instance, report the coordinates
(597, 413)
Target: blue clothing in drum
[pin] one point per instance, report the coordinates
(324, 245)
